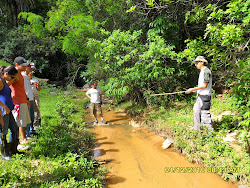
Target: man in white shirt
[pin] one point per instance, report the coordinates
(28, 90)
(35, 88)
(95, 96)
(202, 105)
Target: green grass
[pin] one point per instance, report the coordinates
(175, 121)
(61, 156)
(3, 63)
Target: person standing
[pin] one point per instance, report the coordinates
(20, 100)
(28, 90)
(6, 106)
(95, 96)
(35, 88)
(201, 113)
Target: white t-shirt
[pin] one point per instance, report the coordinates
(205, 76)
(94, 94)
(27, 87)
(33, 82)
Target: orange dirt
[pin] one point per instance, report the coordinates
(135, 158)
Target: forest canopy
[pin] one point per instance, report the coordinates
(135, 47)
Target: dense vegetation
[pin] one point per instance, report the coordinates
(62, 154)
(135, 48)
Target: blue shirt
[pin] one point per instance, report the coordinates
(5, 97)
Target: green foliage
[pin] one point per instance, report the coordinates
(35, 20)
(135, 70)
(225, 39)
(205, 147)
(62, 129)
(61, 156)
(69, 170)
(241, 88)
(3, 63)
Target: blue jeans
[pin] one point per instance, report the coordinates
(10, 123)
(30, 126)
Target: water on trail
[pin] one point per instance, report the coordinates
(135, 158)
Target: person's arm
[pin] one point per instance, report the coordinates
(38, 87)
(192, 90)
(1, 119)
(6, 109)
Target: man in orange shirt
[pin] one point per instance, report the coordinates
(20, 100)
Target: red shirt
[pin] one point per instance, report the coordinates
(18, 92)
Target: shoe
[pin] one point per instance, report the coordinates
(26, 142)
(13, 148)
(22, 147)
(96, 121)
(103, 121)
(5, 152)
(29, 137)
(33, 132)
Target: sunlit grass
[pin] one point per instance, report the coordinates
(3, 63)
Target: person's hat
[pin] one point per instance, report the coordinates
(32, 65)
(200, 58)
(21, 61)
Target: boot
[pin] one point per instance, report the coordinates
(5, 152)
(13, 148)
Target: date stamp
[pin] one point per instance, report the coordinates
(201, 170)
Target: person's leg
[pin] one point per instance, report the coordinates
(5, 128)
(37, 119)
(30, 127)
(101, 114)
(22, 131)
(206, 119)
(14, 130)
(93, 111)
(4, 145)
(205, 113)
(197, 113)
(23, 120)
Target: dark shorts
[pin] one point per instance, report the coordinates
(96, 107)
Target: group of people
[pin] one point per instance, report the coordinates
(19, 106)
(19, 103)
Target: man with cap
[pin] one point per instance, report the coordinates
(201, 113)
(20, 99)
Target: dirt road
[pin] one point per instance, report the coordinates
(135, 158)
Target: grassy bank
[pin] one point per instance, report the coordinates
(229, 159)
(61, 156)
(3, 63)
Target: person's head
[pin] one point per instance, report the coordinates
(20, 63)
(8, 73)
(200, 62)
(94, 84)
(32, 66)
(28, 70)
(31, 74)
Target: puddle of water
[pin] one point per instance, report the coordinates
(136, 159)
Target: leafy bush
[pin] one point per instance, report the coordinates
(65, 170)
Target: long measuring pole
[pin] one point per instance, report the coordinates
(168, 93)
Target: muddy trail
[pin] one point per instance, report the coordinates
(135, 158)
